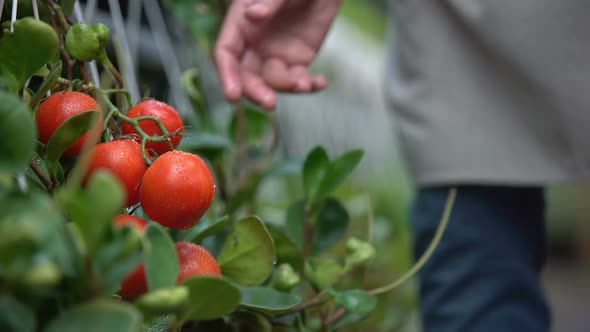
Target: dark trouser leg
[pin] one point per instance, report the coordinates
(485, 274)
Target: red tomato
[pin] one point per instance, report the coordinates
(193, 260)
(177, 189)
(123, 220)
(59, 108)
(167, 115)
(124, 160)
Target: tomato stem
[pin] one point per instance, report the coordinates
(429, 251)
(114, 112)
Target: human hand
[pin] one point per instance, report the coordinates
(266, 46)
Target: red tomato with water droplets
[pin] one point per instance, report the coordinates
(123, 158)
(166, 114)
(193, 260)
(59, 108)
(177, 189)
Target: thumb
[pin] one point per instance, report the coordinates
(260, 10)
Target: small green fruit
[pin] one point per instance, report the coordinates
(83, 43)
(360, 253)
(285, 278)
(164, 301)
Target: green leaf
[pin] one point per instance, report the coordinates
(314, 169)
(210, 297)
(118, 257)
(161, 259)
(331, 224)
(268, 300)
(163, 301)
(32, 45)
(204, 144)
(322, 272)
(285, 249)
(8, 82)
(295, 223)
(248, 253)
(29, 225)
(338, 171)
(348, 319)
(205, 228)
(47, 84)
(257, 123)
(68, 133)
(17, 134)
(158, 324)
(93, 209)
(356, 301)
(98, 316)
(15, 316)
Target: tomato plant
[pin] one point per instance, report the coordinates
(80, 161)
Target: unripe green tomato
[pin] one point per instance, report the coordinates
(82, 42)
(285, 278)
(102, 33)
(165, 300)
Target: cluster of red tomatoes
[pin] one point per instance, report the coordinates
(175, 190)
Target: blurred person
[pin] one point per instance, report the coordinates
(488, 97)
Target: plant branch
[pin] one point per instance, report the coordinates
(334, 317)
(39, 172)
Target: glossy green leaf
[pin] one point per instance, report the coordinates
(314, 168)
(68, 133)
(322, 272)
(17, 134)
(158, 324)
(8, 82)
(98, 316)
(295, 223)
(331, 224)
(15, 316)
(337, 172)
(356, 301)
(205, 228)
(257, 123)
(118, 257)
(47, 84)
(32, 45)
(210, 297)
(93, 209)
(268, 300)
(248, 255)
(285, 249)
(161, 259)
